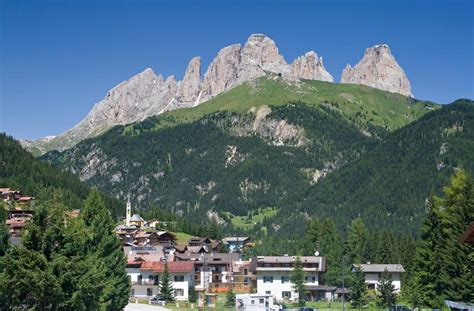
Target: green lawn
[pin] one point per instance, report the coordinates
(244, 222)
(361, 103)
(182, 238)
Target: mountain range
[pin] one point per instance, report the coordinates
(259, 145)
(148, 94)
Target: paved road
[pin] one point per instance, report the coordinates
(142, 307)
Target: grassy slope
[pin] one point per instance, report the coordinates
(359, 103)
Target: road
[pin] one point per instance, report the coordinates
(142, 307)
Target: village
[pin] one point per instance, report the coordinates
(202, 269)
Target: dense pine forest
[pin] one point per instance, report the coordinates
(236, 169)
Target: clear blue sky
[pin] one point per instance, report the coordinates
(58, 58)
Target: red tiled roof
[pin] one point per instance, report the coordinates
(25, 199)
(173, 266)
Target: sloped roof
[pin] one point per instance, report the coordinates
(173, 266)
(235, 239)
(381, 267)
(136, 217)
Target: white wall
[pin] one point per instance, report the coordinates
(277, 287)
(373, 278)
(141, 290)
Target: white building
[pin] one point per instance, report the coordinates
(273, 274)
(373, 274)
(255, 302)
(146, 276)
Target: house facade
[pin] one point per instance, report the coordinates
(235, 244)
(273, 274)
(212, 270)
(373, 274)
(145, 278)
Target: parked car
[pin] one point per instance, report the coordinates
(401, 308)
(157, 301)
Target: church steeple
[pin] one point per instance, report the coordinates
(128, 213)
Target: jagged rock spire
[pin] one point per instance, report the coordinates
(379, 69)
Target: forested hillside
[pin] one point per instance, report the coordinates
(388, 185)
(20, 170)
(225, 162)
(270, 168)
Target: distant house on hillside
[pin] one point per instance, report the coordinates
(373, 274)
(207, 243)
(235, 244)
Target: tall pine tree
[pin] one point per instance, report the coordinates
(297, 278)
(356, 241)
(443, 264)
(106, 246)
(358, 288)
(386, 296)
(166, 286)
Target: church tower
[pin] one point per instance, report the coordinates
(128, 212)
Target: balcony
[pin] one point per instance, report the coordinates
(145, 283)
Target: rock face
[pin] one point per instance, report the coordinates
(379, 69)
(148, 94)
(309, 67)
(189, 90)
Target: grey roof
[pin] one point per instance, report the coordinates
(136, 217)
(210, 257)
(382, 267)
(235, 239)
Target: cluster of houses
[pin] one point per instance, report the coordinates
(20, 210)
(210, 266)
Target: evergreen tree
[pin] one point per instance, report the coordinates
(230, 298)
(192, 294)
(166, 286)
(331, 247)
(297, 278)
(386, 296)
(412, 292)
(385, 248)
(358, 288)
(3, 231)
(107, 247)
(443, 264)
(356, 241)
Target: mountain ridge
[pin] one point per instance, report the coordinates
(147, 94)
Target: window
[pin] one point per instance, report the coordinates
(149, 291)
(285, 279)
(286, 295)
(179, 292)
(246, 271)
(261, 301)
(252, 302)
(179, 278)
(310, 279)
(371, 286)
(268, 292)
(268, 279)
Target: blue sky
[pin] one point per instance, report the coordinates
(58, 58)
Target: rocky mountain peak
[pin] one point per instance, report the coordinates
(190, 88)
(378, 68)
(261, 54)
(309, 67)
